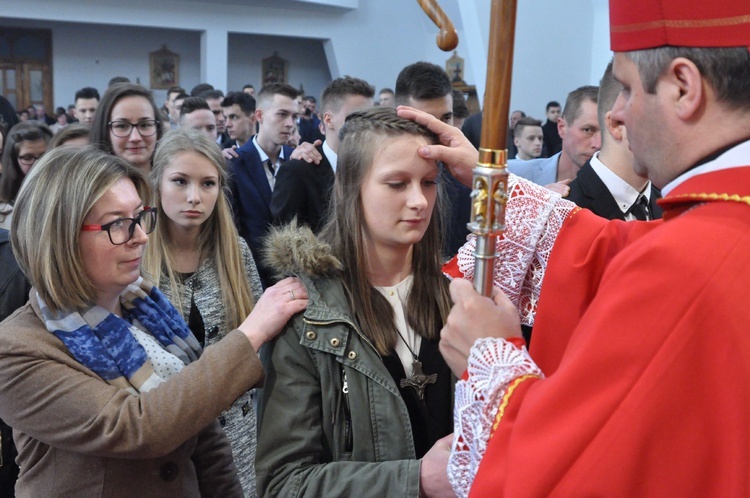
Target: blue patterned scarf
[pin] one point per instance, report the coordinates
(104, 343)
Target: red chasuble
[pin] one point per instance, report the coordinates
(643, 333)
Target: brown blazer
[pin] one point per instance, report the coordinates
(79, 436)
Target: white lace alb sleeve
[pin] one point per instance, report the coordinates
(495, 367)
(534, 217)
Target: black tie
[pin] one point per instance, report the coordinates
(271, 167)
(639, 209)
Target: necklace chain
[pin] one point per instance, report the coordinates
(413, 354)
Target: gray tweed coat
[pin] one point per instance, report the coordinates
(239, 421)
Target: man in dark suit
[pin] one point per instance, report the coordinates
(303, 189)
(552, 138)
(472, 128)
(238, 109)
(254, 169)
(427, 87)
(607, 184)
(308, 122)
(214, 98)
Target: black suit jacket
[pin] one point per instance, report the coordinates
(458, 204)
(552, 140)
(14, 292)
(589, 191)
(472, 129)
(303, 190)
(251, 200)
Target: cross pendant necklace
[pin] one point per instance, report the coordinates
(418, 380)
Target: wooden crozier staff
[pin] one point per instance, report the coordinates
(490, 179)
(447, 38)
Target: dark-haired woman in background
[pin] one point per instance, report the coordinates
(26, 143)
(127, 124)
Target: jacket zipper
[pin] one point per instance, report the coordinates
(348, 436)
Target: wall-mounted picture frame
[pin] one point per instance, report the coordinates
(164, 68)
(274, 69)
(455, 69)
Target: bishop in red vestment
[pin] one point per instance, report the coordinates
(638, 378)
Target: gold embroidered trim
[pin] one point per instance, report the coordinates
(684, 24)
(506, 398)
(745, 199)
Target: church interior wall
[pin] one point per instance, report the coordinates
(559, 45)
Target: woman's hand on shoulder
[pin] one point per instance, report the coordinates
(274, 308)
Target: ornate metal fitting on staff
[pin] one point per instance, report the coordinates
(489, 193)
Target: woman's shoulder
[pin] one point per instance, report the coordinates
(295, 250)
(24, 330)
(244, 248)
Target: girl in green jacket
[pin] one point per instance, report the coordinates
(357, 393)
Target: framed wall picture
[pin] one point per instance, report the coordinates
(164, 68)
(455, 69)
(274, 69)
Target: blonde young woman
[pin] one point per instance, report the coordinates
(358, 397)
(107, 390)
(202, 265)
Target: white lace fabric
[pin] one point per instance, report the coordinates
(493, 366)
(534, 217)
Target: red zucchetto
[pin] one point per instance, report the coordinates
(641, 24)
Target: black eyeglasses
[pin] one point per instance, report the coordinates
(122, 230)
(122, 128)
(29, 159)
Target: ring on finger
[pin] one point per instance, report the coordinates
(292, 294)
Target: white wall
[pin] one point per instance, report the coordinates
(306, 61)
(559, 45)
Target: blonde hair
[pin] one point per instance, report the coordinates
(218, 238)
(55, 198)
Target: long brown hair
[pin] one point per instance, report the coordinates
(12, 177)
(99, 135)
(364, 133)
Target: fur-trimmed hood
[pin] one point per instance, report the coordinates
(293, 250)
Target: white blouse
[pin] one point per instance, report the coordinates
(397, 296)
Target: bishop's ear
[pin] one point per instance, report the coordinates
(684, 86)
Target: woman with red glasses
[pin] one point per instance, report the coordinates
(25, 144)
(107, 390)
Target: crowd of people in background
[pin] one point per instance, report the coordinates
(248, 293)
(225, 168)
